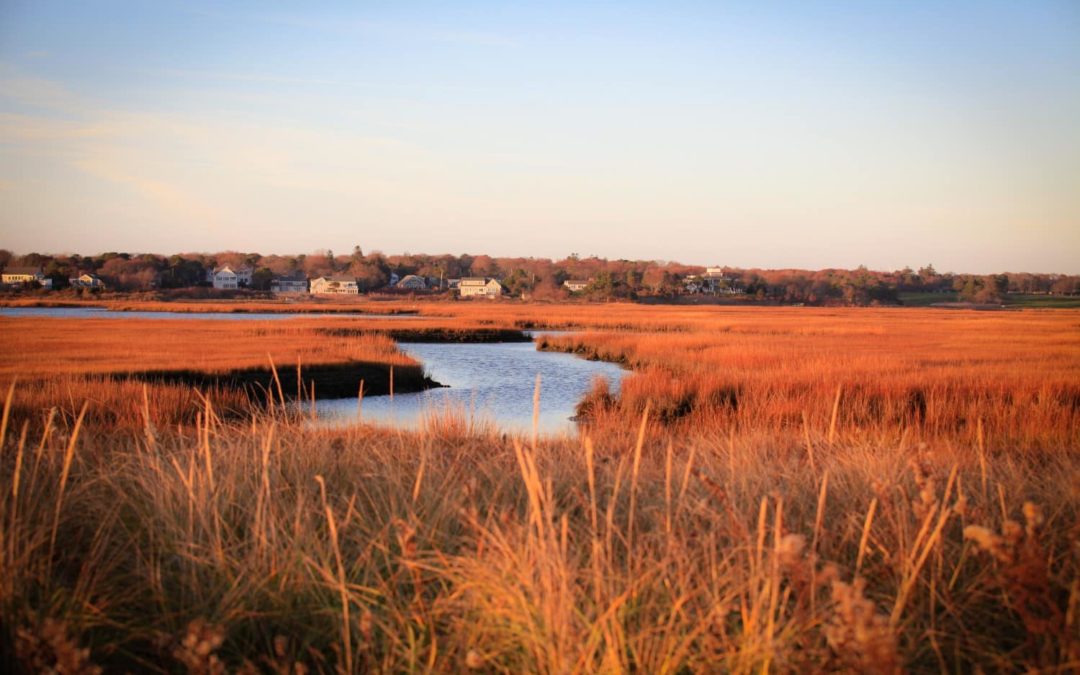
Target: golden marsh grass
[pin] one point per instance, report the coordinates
(721, 540)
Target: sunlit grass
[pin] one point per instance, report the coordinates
(781, 527)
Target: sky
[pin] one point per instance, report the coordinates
(756, 134)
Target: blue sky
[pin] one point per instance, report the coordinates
(749, 134)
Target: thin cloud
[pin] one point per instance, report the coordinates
(167, 197)
(37, 92)
(346, 25)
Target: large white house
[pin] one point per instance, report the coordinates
(21, 276)
(575, 285)
(335, 285)
(480, 287)
(713, 281)
(227, 277)
(292, 283)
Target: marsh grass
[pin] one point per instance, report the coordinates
(240, 545)
(764, 533)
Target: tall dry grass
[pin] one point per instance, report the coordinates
(272, 545)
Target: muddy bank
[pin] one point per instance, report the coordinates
(448, 335)
(337, 380)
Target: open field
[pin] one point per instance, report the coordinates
(782, 490)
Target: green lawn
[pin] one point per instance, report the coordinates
(925, 299)
(1011, 300)
(1045, 301)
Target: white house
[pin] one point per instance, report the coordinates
(575, 285)
(412, 282)
(335, 285)
(20, 276)
(86, 281)
(291, 283)
(482, 287)
(227, 277)
(713, 281)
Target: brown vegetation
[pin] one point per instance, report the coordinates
(63, 362)
(801, 512)
(1015, 378)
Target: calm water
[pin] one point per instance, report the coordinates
(100, 313)
(489, 382)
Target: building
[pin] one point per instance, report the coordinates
(712, 281)
(227, 277)
(22, 276)
(335, 285)
(575, 285)
(412, 282)
(482, 287)
(289, 283)
(92, 281)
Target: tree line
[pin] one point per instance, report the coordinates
(542, 278)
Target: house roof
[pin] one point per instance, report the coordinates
(22, 270)
(471, 281)
(339, 278)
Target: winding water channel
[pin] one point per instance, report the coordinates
(488, 383)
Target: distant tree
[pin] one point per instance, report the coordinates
(182, 273)
(372, 273)
(1066, 286)
(129, 275)
(1000, 284)
(977, 289)
(318, 264)
(517, 282)
(261, 278)
(484, 266)
(59, 272)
